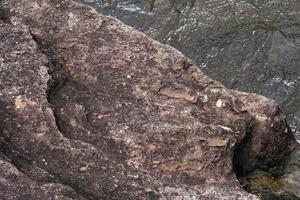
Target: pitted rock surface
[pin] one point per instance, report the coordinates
(93, 109)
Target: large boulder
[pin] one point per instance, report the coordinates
(251, 45)
(92, 109)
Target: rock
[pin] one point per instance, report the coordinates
(251, 46)
(93, 109)
(291, 178)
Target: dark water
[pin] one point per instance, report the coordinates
(249, 45)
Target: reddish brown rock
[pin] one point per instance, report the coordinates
(92, 109)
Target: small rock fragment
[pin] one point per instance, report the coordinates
(148, 190)
(216, 142)
(83, 168)
(151, 147)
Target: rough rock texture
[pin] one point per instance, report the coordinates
(249, 45)
(92, 109)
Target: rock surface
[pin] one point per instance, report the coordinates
(92, 109)
(248, 45)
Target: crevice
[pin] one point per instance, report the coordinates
(59, 76)
(15, 157)
(7, 148)
(104, 24)
(239, 166)
(22, 162)
(254, 173)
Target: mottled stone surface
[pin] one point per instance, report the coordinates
(248, 45)
(92, 109)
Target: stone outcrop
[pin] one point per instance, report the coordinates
(92, 109)
(252, 46)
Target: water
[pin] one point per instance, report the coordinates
(249, 45)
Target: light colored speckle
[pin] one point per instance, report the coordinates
(83, 168)
(148, 190)
(44, 161)
(220, 103)
(21, 103)
(73, 122)
(226, 128)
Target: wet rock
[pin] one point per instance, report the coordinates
(92, 109)
(292, 173)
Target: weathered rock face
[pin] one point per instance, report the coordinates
(92, 109)
(249, 45)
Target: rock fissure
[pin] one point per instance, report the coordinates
(23, 164)
(58, 78)
(238, 162)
